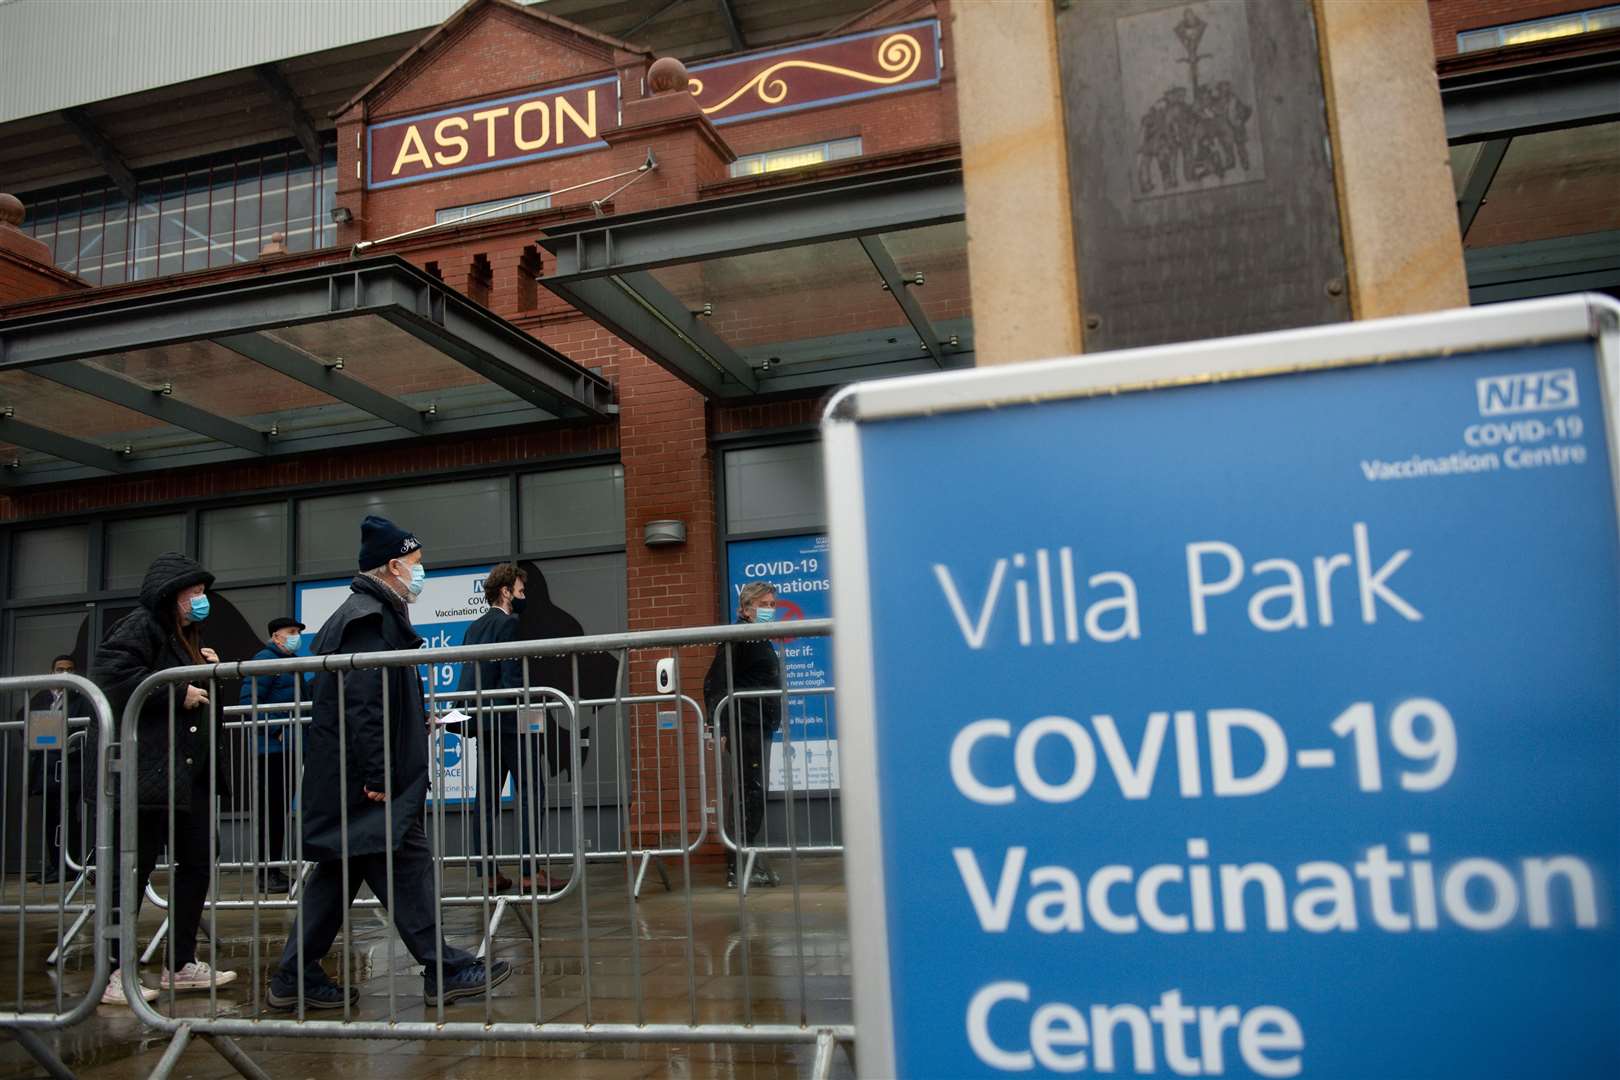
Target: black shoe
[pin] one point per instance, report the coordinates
(731, 877)
(274, 881)
(470, 981)
(50, 875)
(326, 995)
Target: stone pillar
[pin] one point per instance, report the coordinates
(1225, 168)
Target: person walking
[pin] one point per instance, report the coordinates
(378, 717)
(500, 748)
(164, 632)
(276, 731)
(747, 724)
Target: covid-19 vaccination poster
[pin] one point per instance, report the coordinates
(797, 567)
(451, 601)
(1239, 709)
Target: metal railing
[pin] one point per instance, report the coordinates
(35, 1008)
(652, 769)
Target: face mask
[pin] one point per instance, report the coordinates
(199, 608)
(418, 580)
(518, 604)
(764, 614)
(292, 641)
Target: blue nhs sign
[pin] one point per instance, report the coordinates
(1246, 708)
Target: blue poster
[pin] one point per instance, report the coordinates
(451, 601)
(797, 566)
(1269, 727)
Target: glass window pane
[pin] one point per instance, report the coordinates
(300, 208)
(50, 562)
(273, 196)
(147, 213)
(240, 542)
(132, 545)
(461, 521)
(36, 640)
(571, 509)
(772, 488)
(196, 221)
(221, 211)
(1542, 30)
(238, 625)
(1607, 19)
(1475, 40)
(590, 588)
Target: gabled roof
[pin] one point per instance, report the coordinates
(604, 44)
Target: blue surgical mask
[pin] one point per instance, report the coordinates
(292, 642)
(418, 580)
(764, 614)
(199, 608)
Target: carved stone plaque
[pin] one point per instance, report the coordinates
(1200, 170)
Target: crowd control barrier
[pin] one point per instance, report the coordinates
(648, 805)
(40, 989)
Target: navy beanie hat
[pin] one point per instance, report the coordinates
(381, 540)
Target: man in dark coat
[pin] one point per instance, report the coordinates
(747, 724)
(273, 763)
(381, 792)
(502, 752)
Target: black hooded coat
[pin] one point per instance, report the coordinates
(372, 619)
(144, 642)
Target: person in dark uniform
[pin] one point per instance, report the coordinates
(274, 762)
(384, 806)
(747, 724)
(46, 774)
(499, 746)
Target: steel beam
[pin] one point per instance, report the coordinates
(883, 263)
(278, 356)
(804, 214)
(108, 386)
(106, 155)
(1533, 97)
(275, 85)
(30, 437)
(1479, 180)
(733, 31)
(629, 35)
(642, 312)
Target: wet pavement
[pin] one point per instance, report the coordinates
(738, 964)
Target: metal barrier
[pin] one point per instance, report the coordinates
(611, 1001)
(60, 1007)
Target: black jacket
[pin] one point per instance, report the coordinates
(493, 626)
(754, 666)
(372, 619)
(144, 642)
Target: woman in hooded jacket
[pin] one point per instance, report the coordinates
(164, 632)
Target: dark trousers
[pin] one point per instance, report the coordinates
(192, 862)
(745, 775)
(410, 903)
(495, 764)
(271, 777)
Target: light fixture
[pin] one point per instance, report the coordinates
(664, 533)
(341, 215)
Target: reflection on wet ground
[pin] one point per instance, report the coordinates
(622, 965)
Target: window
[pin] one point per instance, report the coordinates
(131, 546)
(210, 212)
(571, 509)
(244, 542)
(774, 489)
(1522, 33)
(494, 208)
(462, 521)
(50, 562)
(796, 157)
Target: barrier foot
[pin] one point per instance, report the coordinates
(494, 925)
(42, 1053)
(157, 943)
(171, 1056)
(826, 1044)
(745, 878)
(238, 1059)
(67, 938)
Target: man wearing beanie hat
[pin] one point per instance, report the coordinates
(384, 809)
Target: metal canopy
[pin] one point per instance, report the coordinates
(358, 352)
(1556, 93)
(792, 288)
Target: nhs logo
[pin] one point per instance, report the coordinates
(1529, 391)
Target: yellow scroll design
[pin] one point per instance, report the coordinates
(898, 54)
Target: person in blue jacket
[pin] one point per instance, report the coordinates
(275, 764)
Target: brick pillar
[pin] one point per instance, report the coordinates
(26, 270)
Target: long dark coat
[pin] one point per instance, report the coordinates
(372, 619)
(753, 666)
(144, 642)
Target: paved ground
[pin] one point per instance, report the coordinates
(637, 964)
